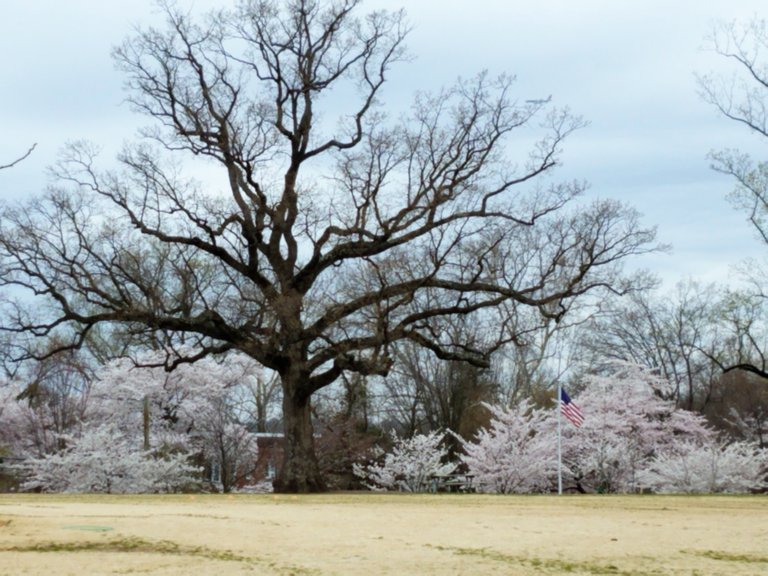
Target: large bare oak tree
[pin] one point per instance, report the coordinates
(322, 244)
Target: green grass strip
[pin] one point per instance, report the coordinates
(730, 557)
(131, 544)
(545, 566)
(140, 545)
(89, 528)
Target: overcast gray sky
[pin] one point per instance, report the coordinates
(626, 66)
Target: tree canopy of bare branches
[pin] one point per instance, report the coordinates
(743, 98)
(321, 244)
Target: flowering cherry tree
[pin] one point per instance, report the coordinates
(517, 453)
(712, 467)
(192, 409)
(41, 403)
(103, 459)
(627, 422)
(142, 427)
(225, 442)
(631, 438)
(18, 425)
(413, 465)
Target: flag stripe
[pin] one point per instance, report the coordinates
(568, 409)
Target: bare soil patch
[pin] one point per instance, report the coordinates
(375, 534)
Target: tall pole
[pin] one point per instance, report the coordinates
(559, 441)
(145, 421)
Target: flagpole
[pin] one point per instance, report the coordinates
(559, 440)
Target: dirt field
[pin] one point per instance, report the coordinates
(374, 534)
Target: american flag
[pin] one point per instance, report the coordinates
(570, 410)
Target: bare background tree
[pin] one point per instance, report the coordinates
(321, 244)
(743, 98)
(674, 333)
(709, 341)
(423, 394)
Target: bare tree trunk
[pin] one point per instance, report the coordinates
(227, 476)
(300, 472)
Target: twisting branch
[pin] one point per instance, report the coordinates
(26, 154)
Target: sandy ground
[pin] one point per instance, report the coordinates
(373, 534)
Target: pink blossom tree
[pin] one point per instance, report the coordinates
(627, 422)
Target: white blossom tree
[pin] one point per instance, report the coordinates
(140, 428)
(693, 467)
(193, 408)
(226, 442)
(15, 417)
(413, 465)
(103, 459)
(517, 453)
(41, 403)
(627, 424)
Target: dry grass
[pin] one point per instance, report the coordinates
(375, 534)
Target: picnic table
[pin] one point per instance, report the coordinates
(458, 482)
